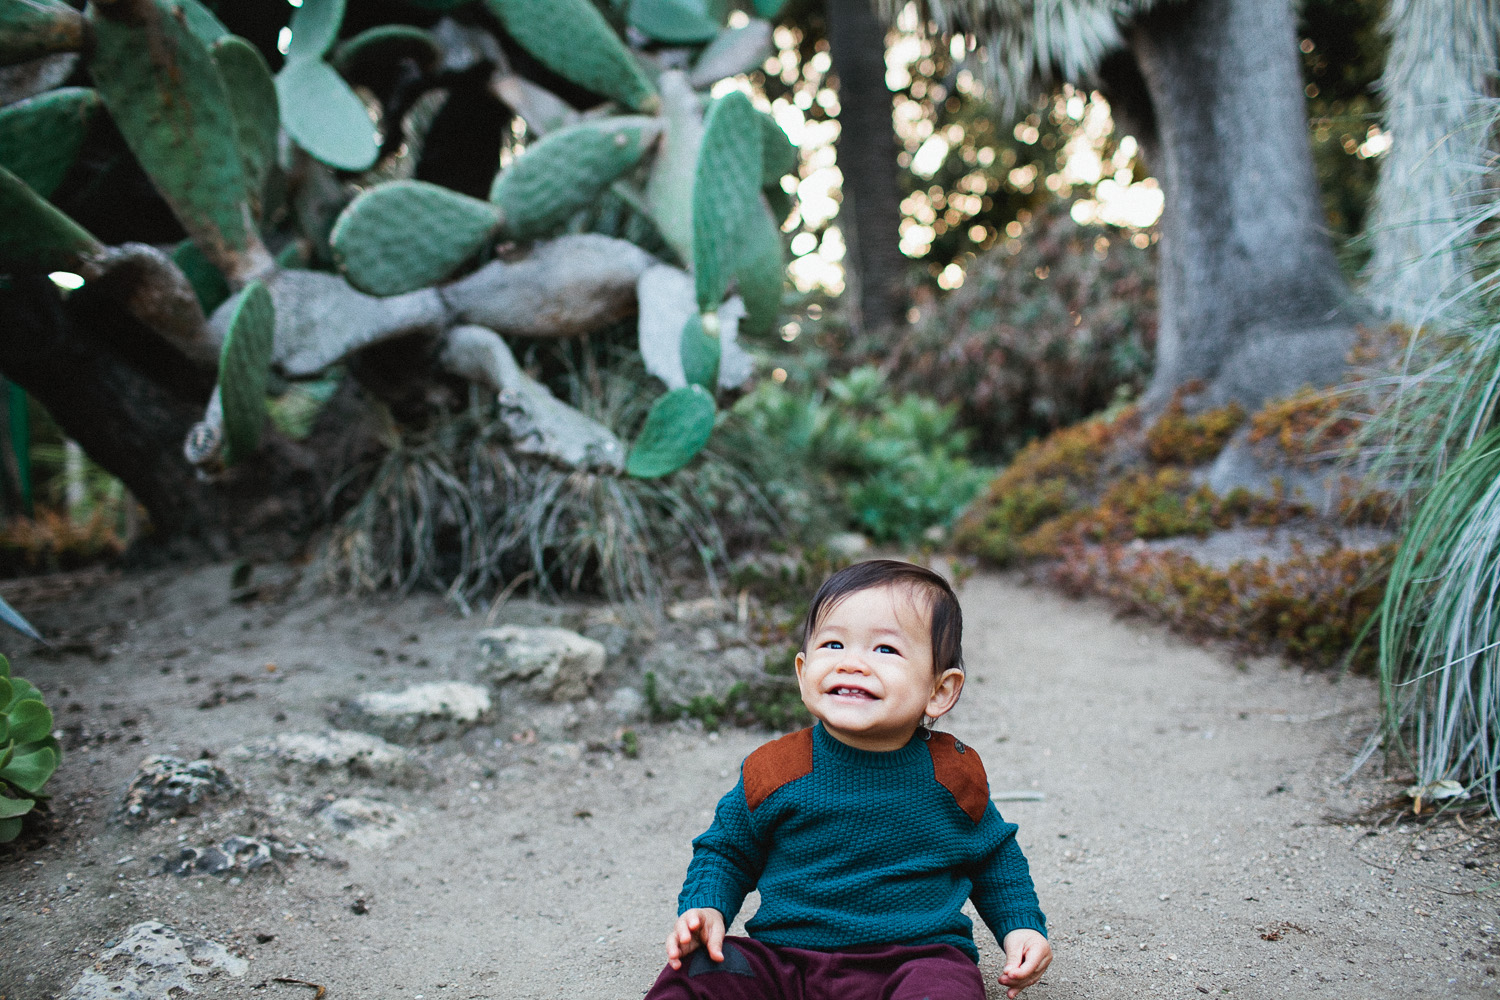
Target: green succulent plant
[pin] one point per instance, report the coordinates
(28, 751)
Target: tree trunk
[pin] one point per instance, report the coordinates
(1252, 299)
(870, 217)
(128, 399)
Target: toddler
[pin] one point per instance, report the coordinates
(865, 833)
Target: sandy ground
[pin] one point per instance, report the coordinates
(1191, 839)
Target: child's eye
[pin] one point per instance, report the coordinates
(886, 647)
(833, 644)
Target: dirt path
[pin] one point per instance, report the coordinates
(1183, 846)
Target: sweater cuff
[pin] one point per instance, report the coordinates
(726, 905)
(1033, 920)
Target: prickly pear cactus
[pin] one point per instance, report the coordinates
(678, 426)
(325, 117)
(33, 234)
(32, 28)
(28, 751)
(162, 89)
(571, 38)
(726, 193)
(252, 100)
(700, 349)
(40, 137)
(567, 171)
(405, 235)
(678, 22)
(243, 365)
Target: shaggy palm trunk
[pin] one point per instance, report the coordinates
(1252, 299)
(870, 217)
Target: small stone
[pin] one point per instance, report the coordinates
(156, 962)
(338, 753)
(543, 662)
(164, 787)
(626, 704)
(704, 609)
(366, 822)
(422, 713)
(848, 544)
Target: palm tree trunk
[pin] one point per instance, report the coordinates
(1252, 299)
(870, 217)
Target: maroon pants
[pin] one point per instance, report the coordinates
(755, 971)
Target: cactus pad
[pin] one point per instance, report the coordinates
(324, 116)
(165, 94)
(567, 171)
(252, 98)
(670, 188)
(202, 22)
(778, 155)
(32, 28)
(406, 235)
(678, 22)
(315, 27)
(34, 235)
(676, 429)
(384, 44)
(700, 352)
(40, 137)
(571, 38)
(726, 193)
(761, 271)
(735, 50)
(243, 365)
(208, 283)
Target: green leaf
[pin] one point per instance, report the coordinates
(406, 235)
(315, 27)
(30, 771)
(4, 670)
(257, 119)
(679, 22)
(7, 753)
(6, 691)
(14, 619)
(30, 721)
(202, 22)
(243, 364)
(700, 353)
(35, 236)
(11, 808)
(40, 137)
(165, 94)
(567, 171)
(324, 116)
(22, 690)
(207, 281)
(726, 193)
(678, 426)
(571, 38)
(32, 28)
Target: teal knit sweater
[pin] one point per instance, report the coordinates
(865, 849)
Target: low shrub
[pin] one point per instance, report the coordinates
(52, 541)
(1309, 422)
(1182, 438)
(29, 753)
(1311, 608)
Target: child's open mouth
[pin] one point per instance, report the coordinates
(849, 692)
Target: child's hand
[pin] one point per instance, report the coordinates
(1027, 955)
(703, 925)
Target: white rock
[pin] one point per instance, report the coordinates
(421, 713)
(626, 704)
(338, 752)
(542, 661)
(155, 962)
(366, 822)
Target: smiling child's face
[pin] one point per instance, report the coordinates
(867, 671)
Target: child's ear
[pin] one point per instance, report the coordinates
(797, 664)
(945, 693)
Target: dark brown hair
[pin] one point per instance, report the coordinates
(944, 614)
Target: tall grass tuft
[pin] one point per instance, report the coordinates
(1440, 628)
(452, 508)
(1435, 440)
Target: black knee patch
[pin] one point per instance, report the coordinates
(735, 963)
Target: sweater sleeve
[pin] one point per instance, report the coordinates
(1003, 892)
(727, 859)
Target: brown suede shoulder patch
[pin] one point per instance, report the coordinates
(777, 763)
(957, 767)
